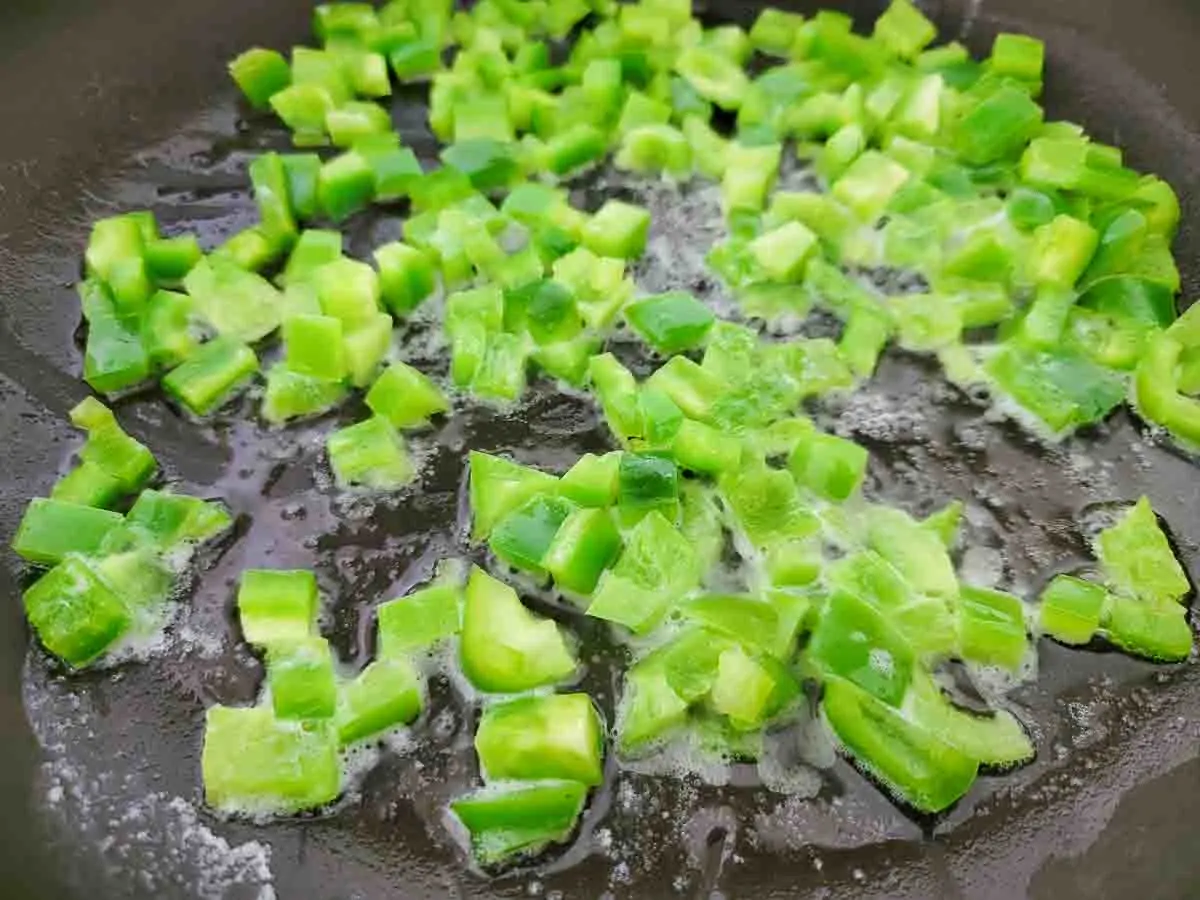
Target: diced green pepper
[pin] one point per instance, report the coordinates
(617, 230)
(238, 304)
(405, 397)
(419, 620)
(385, 694)
(370, 453)
(261, 74)
(1138, 560)
(301, 680)
(854, 641)
(991, 627)
(277, 606)
(903, 29)
(923, 769)
(584, 545)
(50, 529)
(519, 818)
(523, 536)
(74, 613)
(593, 480)
(832, 467)
(1157, 630)
(505, 648)
(1071, 609)
(534, 738)
(499, 486)
(255, 763)
(670, 322)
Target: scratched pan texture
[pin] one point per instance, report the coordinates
(109, 105)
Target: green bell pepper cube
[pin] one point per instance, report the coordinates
(545, 308)
(110, 448)
(165, 521)
(864, 338)
(774, 31)
(501, 372)
(991, 627)
(303, 108)
(523, 536)
(290, 394)
(406, 276)
(714, 76)
(694, 389)
(405, 397)
(854, 641)
(89, 485)
(646, 483)
(301, 680)
(499, 486)
(370, 453)
(639, 110)
(50, 529)
(922, 769)
(250, 249)
(593, 480)
(312, 250)
(1156, 389)
(168, 334)
(346, 185)
(261, 74)
(269, 181)
(75, 615)
(584, 545)
(490, 164)
(649, 709)
(1017, 56)
(752, 622)
(396, 169)
(997, 127)
(321, 67)
(709, 150)
(1160, 204)
(598, 283)
(656, 568)
(918, 554)
(660, 420)
(843, 147)
(981, 304)
(114, 240)
(904, 30)
(419, 620)
(212, 375)
(783, 253)
(141, 579)
(115, 357)
(415, 57)
(869, 184)
(313, 346)
(1061, 251)
(1063, 389)
(567, 360)
(367, 344)
(569, 151)
(617, 230)
(745, 690)
(547, 737)
(828, 465)
(670, 322)
(617, 390)
(504, 648)
(1071, 609)
(749, 175)
(170, 259)
(996, 740)
(255, 763)
(651, 149)
(702, 448)
(1138, 560)
(766, 505)
(385, 694)
(277, 606)
(521, 818)
(348, 290)
(1153, 629)
(237, 303)
(356, 120)
(303, 174)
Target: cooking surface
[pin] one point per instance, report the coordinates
(126, 105)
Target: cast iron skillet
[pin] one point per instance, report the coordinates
(124, 103)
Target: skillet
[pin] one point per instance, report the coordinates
(124, 103)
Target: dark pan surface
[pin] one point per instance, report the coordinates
(124, 104)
